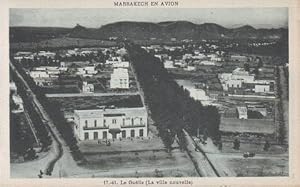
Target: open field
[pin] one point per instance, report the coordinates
(251, 167)
(255, 148)
(230, 162)
(154, 159)
(264, 126)
(137, 157)
(60, 89)
(63, 42)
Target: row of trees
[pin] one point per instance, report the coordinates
(53, 109)
(171, 106)
(281, 126)
(41, 130)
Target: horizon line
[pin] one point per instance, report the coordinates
(233, 27)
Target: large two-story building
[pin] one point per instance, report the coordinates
(119, 79)
(110, 123)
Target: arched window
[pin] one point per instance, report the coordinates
(86, 123)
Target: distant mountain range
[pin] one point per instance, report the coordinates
(145, 31)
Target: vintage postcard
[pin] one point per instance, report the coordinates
(149, 93)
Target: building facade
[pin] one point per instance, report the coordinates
(110, 123)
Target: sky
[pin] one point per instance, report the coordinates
(94, 18)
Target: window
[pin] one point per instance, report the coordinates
(141, 132)
(141, 121)
(132, 133)
(114, 121)
(86, 123)
(95, 123)
(104, 123)
(95, 135)
(104, 135)
(123, 134)
(132, 121)
(123, 122)
(86, 135)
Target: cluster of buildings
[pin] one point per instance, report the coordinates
(243, 80)
(221, 79)
(31, 55)
(190, 62)
(103, 122)
(45, 75)
(113, 62)
(187, 57)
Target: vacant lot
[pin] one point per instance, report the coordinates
(136, 157)
(262, 126)
(251, 167)
(257, 148)
(143, 163)
(119, 145)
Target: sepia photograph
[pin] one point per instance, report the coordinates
(149, 93)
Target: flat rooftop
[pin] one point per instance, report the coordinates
(69, 104)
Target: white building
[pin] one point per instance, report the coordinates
(113, 60)
(121, 51)
(232, 84)
(262, 88)
(214, 57)
(87, 88)
(169, 64)
(180, 63)
(235, 79)
(110, 123)
(239, 58)
(187, 56)
(47, 54)
(162, 56)
(18, 102)
(119, 79)
(13, 87)
(190, 68)
(87, 71)
(39, 74)
(47, 71)
(199, 56)
(207, 63)
(242, 112)
(123, 64)
(23, 55)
